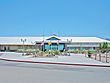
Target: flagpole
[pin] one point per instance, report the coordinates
(57, 44)
(43, 41)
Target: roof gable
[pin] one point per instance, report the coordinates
(53, 38)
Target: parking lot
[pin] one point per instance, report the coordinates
(14, 72)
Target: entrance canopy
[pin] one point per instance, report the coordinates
(53, 38)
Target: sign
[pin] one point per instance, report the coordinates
(49, 43)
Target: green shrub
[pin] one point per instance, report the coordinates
(90, 53)
(56, 52)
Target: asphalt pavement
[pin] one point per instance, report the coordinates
(14, 72)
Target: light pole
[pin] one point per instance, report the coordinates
(33, 45)
(23, 40)
(69, 41)
(81, 47)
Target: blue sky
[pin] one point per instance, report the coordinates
(61, 17)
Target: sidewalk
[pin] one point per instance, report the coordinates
(73, 59)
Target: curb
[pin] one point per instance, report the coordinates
(59, 63)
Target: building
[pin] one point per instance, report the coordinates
(50, 43)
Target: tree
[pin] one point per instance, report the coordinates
(103, 48)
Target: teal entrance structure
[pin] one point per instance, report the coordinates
(55, 44)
